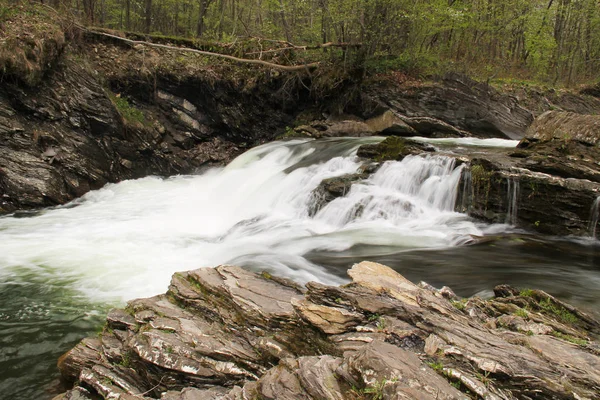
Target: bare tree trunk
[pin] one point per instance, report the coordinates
(286, 28)
(148, 15)
(88, 9)
(201, 14)
(128, 14)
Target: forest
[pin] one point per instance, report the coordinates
(553, 41)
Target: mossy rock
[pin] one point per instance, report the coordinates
(393, 148)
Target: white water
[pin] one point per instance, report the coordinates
(594, 213)
(126, 240)
(512, 200)
(469, 141)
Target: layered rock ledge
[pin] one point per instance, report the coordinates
(227, 333)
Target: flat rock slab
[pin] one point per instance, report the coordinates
(227, 333)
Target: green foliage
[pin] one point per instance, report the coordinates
(532, 39)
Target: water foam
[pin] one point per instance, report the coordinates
(127, 239)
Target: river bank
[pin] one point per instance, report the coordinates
(225, 333)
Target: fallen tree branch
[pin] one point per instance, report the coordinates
(290, 68)
(314, 47)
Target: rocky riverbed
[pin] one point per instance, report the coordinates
(226, 333)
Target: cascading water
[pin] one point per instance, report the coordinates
(594, 213)
(126, 240)
(512, 200)
(61, 268)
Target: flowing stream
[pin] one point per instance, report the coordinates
(61, 269)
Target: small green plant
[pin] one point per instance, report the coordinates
(526, 293)
(484, 378)
(376, 389)
(521, 313)
(125, 359)
(560, 312)
(459, 304)
(380, 324)
(436, 366)
(374, 317)
(289, 132)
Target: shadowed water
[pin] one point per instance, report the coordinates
(62, 268)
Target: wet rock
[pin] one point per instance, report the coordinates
(332, 188)
(563, 144)
(226, 333)
(508, 193)
(392, 148)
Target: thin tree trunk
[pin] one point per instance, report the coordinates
(148, 15)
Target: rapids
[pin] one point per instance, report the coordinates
(62, 268)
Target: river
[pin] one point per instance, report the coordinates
(62, 268)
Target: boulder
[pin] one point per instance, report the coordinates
(348, 128)
(393, 148)
(389, 123)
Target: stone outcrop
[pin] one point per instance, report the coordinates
(226, 333)
(565, 126)
(458, 102)
(103, 114)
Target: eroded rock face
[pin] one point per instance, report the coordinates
(226, 333)
(459, 103)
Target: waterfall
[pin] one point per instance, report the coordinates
(126, 240)
(512, 200)
(594, 211)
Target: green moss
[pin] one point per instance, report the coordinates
(569, 338)
(558, 311)
(481, 183)
(526, 293)
(266, 275)
(130, 113)
(392, 148)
